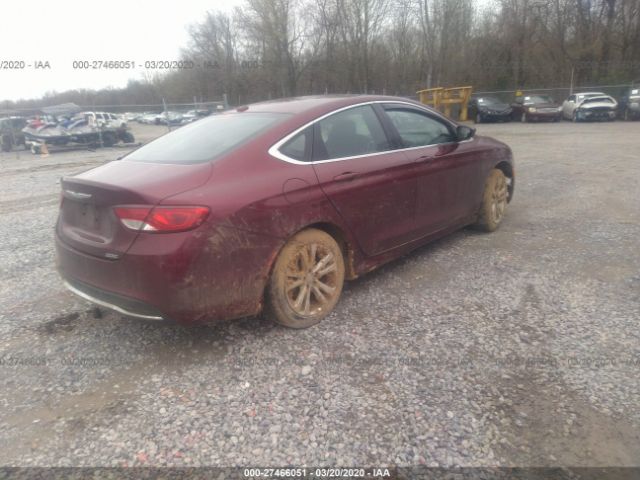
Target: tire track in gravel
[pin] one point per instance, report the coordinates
(553, 424)
(49, 166)
(29, 203)
(40, 426)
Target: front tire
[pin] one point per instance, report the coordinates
(306, 281)
(494, 201)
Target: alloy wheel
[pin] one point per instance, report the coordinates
(311, 280)
(499, 198)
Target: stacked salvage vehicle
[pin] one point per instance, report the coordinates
(62, 126)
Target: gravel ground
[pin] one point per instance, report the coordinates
(517, 348)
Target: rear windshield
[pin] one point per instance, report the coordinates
(598, 100)
(536, 99)
(205, 139)
(488, 101)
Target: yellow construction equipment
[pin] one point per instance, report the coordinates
(431, 97)
(441, 97)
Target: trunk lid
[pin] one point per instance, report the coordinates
(87, 221)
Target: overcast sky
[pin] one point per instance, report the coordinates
(63, 31)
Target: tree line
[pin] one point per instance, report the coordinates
(278, 48)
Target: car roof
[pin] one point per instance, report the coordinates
(590, 93)
(319, 103)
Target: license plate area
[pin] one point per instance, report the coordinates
(86, 220)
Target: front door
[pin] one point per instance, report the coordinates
(447, 171)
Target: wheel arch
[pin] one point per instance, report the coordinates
(507, 169)
(346, 245)
(337, 233)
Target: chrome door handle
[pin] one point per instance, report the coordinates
(346, 176)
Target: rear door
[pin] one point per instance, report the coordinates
(447, 172)
(372, 185)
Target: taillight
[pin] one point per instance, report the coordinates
(161, 219)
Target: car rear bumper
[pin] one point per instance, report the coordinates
(113, 301)
(183, 277)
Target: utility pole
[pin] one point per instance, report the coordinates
(571, 85)
(166, 114)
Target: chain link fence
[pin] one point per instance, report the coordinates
(559, 94)
(212, 106)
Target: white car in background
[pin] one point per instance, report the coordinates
(573, 102)
(599, 108)
(106, 118)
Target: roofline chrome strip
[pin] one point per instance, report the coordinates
(274, 151)
(108, 305)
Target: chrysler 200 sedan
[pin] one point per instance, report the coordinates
(271, 206)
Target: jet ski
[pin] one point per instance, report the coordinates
(81, 129)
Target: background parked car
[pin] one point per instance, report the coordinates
(11, 132)
(571, 103)
(488, 109)
(132, 116)
(171, 118)
(151, 118)
(534, 107)
(193, 115)
(629, 104)
(106, 118)
(603, 107)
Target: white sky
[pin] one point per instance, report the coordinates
(63, 31)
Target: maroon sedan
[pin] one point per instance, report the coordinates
(271, 206)
(534, 108)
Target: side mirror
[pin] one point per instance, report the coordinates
(464, 133)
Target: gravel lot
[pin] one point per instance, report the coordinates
(517, 348)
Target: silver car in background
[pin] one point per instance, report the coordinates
(589, 106)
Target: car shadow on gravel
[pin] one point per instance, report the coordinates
(170, 342)
(419, 254)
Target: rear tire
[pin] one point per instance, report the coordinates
(494, 201)
(306, 280)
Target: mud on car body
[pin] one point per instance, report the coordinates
(271, 206)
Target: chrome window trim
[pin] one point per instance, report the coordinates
(274, 151)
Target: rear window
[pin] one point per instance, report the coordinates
(206, 139)
(537, 99)
(296, 148)
(598, 100)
